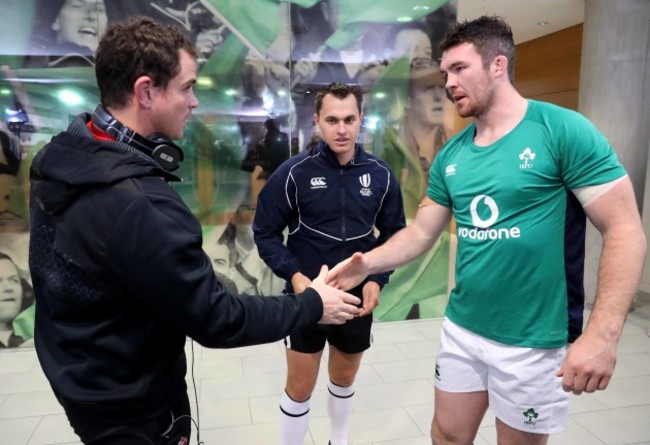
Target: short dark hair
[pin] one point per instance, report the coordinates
(490, 35)
(135, 47)
(340, 91)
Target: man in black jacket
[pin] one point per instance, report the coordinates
(118, 270)
(331, 198)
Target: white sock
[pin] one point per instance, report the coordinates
(339, 408)
(294, 420)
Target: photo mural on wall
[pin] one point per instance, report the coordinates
(260, 64)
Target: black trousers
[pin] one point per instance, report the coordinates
(170, 428)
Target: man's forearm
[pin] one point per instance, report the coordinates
(410, 242)
(619, 274)
(400, 249)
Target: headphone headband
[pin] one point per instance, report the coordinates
(157, 146)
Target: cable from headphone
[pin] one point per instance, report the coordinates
(157, 146)
(197, 423)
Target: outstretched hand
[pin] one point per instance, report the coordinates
(348, 273)
(338, 306)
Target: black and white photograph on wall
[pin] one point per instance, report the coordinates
(16, 303)
(65, 33)
(203, 26)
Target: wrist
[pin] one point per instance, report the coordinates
(608, 332)
(299, 282)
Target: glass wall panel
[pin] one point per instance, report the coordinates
(260, 64)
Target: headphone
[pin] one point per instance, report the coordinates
(157, 146)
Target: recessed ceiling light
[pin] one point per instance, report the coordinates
(404, 18)
(542, 23)
(421, 8)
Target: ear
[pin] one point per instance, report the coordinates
(317, 120)
(143, 90)
(56, 25)
(500, 65)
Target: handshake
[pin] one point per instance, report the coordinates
(338, 305)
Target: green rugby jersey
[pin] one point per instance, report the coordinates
(512, 201)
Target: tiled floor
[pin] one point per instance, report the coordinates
(239, 391)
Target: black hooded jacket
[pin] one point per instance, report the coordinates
(120, 279)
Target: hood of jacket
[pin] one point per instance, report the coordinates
(73, 162)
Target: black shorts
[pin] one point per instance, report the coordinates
(351, 337)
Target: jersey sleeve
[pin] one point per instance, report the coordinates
(437, 188)
(585, 156)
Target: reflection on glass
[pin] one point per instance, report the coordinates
(261, 61)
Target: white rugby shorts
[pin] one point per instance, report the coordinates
(523, 390)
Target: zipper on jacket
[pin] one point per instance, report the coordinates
(343, 209)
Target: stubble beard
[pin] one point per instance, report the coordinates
(481, 107)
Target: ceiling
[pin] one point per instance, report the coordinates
(524, 16)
